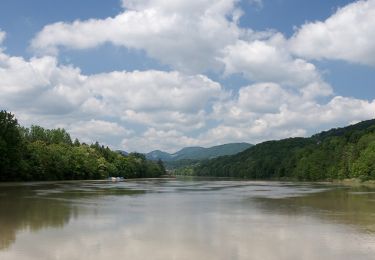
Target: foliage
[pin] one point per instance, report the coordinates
(336, 154)
(10, 144)
(41, 154)
(176, 165)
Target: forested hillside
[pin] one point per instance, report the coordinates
(37, 154)
(198, 153)
(336, 154)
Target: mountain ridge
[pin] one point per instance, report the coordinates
(198, 152)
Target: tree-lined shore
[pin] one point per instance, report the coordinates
(38, 154)
(340, 153)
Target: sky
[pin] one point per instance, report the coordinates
(140, 75)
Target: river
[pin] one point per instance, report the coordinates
(186, 219)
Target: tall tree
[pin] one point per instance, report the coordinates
(11, 145)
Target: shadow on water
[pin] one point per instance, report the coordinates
(353, 206)
(34, 207)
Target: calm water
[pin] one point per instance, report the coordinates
(186, 219)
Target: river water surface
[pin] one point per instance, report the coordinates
(186, 219)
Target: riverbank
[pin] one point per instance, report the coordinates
(349, 182)
(355, 182)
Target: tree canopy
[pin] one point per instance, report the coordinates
(340, 153)
(41, 154)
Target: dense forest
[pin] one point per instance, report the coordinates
(336, 154)
(40, 154)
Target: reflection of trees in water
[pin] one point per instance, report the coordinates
(350, 206)
(20, 211)
(46, 205)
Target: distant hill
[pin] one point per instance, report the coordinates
(339, 153)
(157, 154)
(122, 152)
(199, 153)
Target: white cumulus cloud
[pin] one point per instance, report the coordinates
(347, 35)
(103, 106)
(151, 109)
(269, 60)
(98, 130)
(186, 35)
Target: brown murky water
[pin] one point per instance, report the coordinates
(186, 219)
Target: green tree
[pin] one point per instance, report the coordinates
(11, 146)
(364, 167)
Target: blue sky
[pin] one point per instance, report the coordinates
(175, 74)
